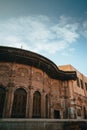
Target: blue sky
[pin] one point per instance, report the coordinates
(56, 29)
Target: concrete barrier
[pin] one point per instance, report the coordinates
(42, 124)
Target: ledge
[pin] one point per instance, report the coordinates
(9, 54)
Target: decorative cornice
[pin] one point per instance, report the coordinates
(9, 54)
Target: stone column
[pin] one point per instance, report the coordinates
(76, 107)
(30, 103)
(8, 101)
(82, 112)
(50, 107)
(30, 94)
(27, 104)
(43, 105)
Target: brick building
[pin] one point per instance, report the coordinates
(32, 86)
(78, 92)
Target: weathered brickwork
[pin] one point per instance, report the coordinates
(14, 76)
(32, 86)
(78, 93)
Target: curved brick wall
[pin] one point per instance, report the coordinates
(31, 86)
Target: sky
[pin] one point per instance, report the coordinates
(56, 29)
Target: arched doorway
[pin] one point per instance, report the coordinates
(37, 105)
(2, 100)
(19, 104)
(56, 114)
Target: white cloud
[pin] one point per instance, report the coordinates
(66, 31)
(39, 33)
(86, 12)
(68, 52)
(84, 31)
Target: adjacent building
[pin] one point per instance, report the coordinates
(78, 93)
(32, 86)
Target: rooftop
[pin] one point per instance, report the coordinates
(9, 54)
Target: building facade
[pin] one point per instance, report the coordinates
(78, 93)
(32, 86)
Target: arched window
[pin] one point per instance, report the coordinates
(19, 104)
(37, 105)
(2, 100)
(46, 106)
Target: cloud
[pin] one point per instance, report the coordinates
(68, 52)
(39, 33)
(84, 31)
(86, 12)
(66, 31)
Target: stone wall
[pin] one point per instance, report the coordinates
(63, 96)
(42, 124)
(78, 92)
(14, 76)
